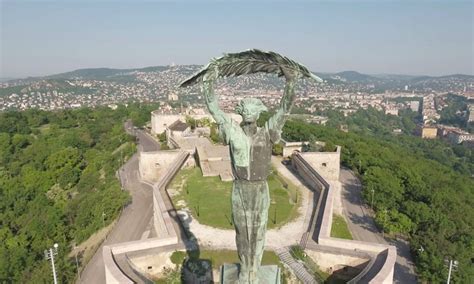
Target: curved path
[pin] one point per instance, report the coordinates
(135, 220)
(363, 228)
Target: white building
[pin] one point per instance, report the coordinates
(415, 106)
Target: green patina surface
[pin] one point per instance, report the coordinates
(250, 146)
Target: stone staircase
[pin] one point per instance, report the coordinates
(298, 268)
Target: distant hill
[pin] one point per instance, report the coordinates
(344, 77)
(6, 79)
(354, 76)
(104, 73)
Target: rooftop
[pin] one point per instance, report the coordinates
(178, 125)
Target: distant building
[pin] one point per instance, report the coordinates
(161, 119)
(397, 131)
(344, 128)
(392, 111)
(415, 106)
(429, 132)
(319, 120)
(178, 128)
(173, 97)
(471, 113)
(457, 137)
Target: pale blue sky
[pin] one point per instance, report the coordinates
(403, 37)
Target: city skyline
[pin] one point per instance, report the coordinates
(423, 38)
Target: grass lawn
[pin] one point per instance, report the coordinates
(209, 199)
(339, 228)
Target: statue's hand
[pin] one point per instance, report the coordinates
(212, 74)
(290, 74)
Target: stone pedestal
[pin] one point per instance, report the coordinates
(268, 274)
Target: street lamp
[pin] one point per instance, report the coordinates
(453, 264)
(383, 222)
(372, 202)
(49, 255)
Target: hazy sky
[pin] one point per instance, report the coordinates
(403, 37)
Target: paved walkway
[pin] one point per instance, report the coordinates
(135, 220)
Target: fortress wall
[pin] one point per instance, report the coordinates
(380, 269)
(151, 165)
(327, 164)
(113, 274)
(142, 245)
(159, 122)
(331, 261)
(289, 149)
(163, 224)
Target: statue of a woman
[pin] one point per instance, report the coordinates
(250, 150)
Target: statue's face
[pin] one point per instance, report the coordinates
(250, 114)
(250, 109)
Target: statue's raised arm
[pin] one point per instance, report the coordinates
(277, 121)
(207, 89)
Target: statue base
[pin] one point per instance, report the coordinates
(268, 274)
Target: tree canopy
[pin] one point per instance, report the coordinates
(419, 192)
(57, 178)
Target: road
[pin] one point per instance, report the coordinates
(363, 228)
(135, 220)
(144, 140)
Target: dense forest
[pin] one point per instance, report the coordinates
(423, 189)
(58, 184)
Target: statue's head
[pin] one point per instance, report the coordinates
(250, 109)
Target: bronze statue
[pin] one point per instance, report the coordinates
(250, 145)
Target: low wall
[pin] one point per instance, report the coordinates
(113, 274)
(379, 271)
(162, 222)
(142, 245)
